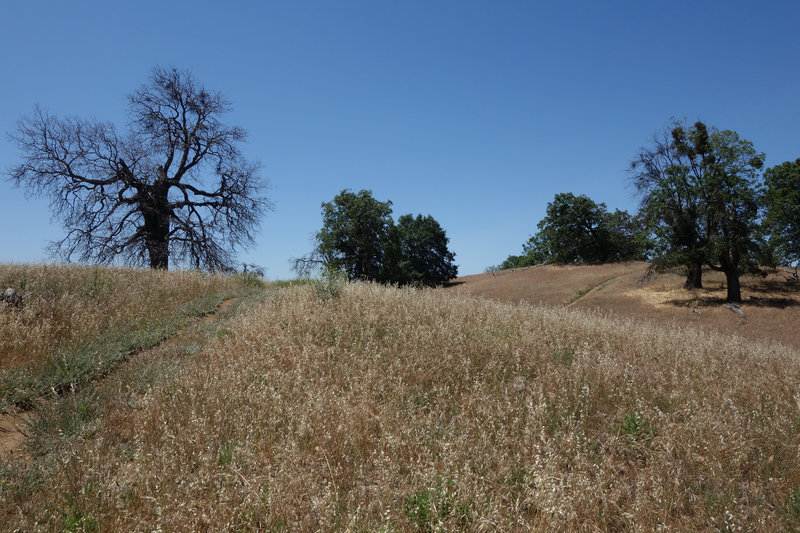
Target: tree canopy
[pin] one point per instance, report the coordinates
(665, 176)
(782, 201)
(576, 229)
(700, 195)
(424, 258)
(359, 237)
(355, 235)
(174, 185)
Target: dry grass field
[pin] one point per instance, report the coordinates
(771, 306)
(66, 307)
(77, 324)
(327, 407)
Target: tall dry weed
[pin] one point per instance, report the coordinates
(412, 410)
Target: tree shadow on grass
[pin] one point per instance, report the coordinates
(773, 303)
(777, 303)
(779, 286)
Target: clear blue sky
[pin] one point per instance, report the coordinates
(474, 112)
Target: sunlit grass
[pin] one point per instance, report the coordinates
(66, 306)
(381, 409)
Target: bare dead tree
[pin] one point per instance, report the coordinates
(306, 265)
(175, 186)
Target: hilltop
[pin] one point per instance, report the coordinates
(771, 304)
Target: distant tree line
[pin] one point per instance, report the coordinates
(705, 202)
(575, 229)
(360, 239)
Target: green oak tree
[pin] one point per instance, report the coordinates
(700, 192)
(423, 257)
(576, 229)
(356, 235)
(668, 176)
(359, 238)
(782, 200)
(628, 237)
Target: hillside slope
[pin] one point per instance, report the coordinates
(771, 306)
(374, 408)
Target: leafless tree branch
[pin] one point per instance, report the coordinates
(177, 186)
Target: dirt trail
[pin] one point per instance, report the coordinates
(600, 286)
(222, 307)
(12, 437)
(14, 424)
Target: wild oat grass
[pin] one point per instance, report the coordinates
(414, 410)
(68, 305)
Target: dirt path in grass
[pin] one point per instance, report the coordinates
(12, 437)
(14, 424)
(222, 307)
(590, 290)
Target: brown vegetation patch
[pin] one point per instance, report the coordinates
(544, 284)
(12, 437)
(771, 304)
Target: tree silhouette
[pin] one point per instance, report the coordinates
(175, 185)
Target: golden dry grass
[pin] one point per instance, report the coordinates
(68, 305)
(418, 410)
(544, 284)
(771, 306)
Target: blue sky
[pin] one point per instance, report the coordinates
(474, 112)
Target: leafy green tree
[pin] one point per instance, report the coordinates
(667, 177)
(782, 201)
(536, 250)
(575, 230)
(359, 238)
(628, 237)
(578, 230)
(423, 255)
(733, 198)
(700, 195)
(356, 234)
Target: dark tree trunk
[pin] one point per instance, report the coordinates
(694, 277)
(729, 263)
(156, 227)
(734, 289)
(158, 250)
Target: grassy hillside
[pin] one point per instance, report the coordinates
(771, 306)
(365, 408)
(78, 323)
(67, 306)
